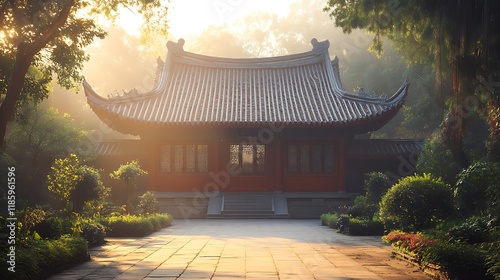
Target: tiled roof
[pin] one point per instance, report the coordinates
(356, 148)
(120, 147)
(379, 148)
(194, 89)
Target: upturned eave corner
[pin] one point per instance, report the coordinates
(91, 95)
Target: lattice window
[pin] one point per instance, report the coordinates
(202, 158)
(250, 158)
(184, 158)
(311, 158)
(165, 158)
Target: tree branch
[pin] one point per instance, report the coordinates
(53, 30)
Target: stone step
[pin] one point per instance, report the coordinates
(245, 203)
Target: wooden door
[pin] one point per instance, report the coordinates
(252, 164)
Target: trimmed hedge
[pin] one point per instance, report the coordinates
(94, 233)
(38, 259)
(134, 226)
(364, 227)
(352, 226)
(329, 219)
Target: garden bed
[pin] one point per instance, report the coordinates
(431, 270)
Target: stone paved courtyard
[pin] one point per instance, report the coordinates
(243, 249)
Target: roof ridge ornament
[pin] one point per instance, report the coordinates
(176, 47)
(320, 46)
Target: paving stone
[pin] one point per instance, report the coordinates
(243, 249)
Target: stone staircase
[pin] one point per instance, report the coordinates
(248, 205)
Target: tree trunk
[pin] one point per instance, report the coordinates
(14, 88)
(24, 57)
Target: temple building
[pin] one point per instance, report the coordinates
(253, 137)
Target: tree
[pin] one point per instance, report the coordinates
(460, 38)
(41, 38)
(36, 138)
(128, 173)
(64, 177)
(73, 182)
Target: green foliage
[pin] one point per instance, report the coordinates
(365, 227)
(432, 157)
(89, 189)
(44, 132)
(416, 203)
(132, 225)
(362, 210)
(455, 258)
(127, 172)
(36, 138)
(64, 177)
(493, 259)
(75, 184)
(27, 220)
(376, 185)
(39, 258)
(473, 230)
(476, 187)
(147, 204)
(50, 228)
(94, 233)
(329, 219)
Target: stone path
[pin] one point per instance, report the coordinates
(243, 249)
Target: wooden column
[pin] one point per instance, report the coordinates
(278, 165)
(153, 163)
(341, 163)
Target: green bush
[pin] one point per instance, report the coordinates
(147, 204)
(416, 203)
(164, 219)
(37, 259)
(343, 223)
(51, 228)
(493, 259)
(329, 219)
(94, 233)
(476, 186)
(376, 185)
(473, 230)
(362, 210)
(457, 259)
(437, 159)
(132, 225)
(365, 227)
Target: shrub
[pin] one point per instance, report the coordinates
(94, 234)
(37, 259)
(411, 243)
(472, 231)
(493, 260)
(329, 219)
(51, 228)
(132, 225)
(475, 188)
(362, 210)
(457, 259)
(366, 227)
(376, 185)
(432, 157)
(147, 204)
(416, 203)
(343, 223)
(164, 220)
